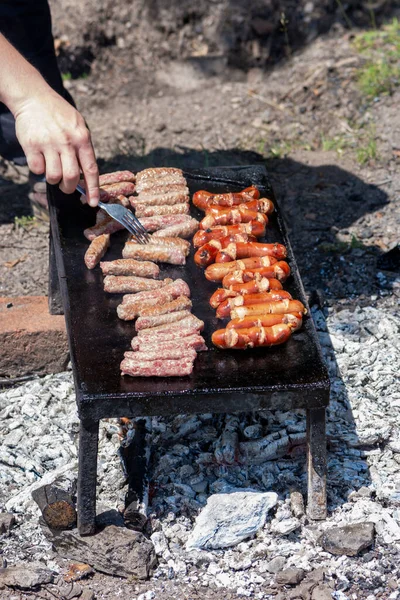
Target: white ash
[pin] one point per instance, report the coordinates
(191, 460)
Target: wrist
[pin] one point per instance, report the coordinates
(28, 95)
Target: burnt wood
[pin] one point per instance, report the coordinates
(57, 507)
(286, 377)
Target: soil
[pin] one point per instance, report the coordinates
(179, 83)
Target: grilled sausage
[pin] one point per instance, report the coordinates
(154, 252)
(184, 245)
(130, 266)
(156, 320)
(251, 287)
(157, 368)
(185, 229)
(157, 174)
(206, 254)
(116, 177)
(180, 303)
(106, 227)
(256, 285)
(217, 271)
(113, 190)
(128, 284)
(203, 199)
(128, 311)
(175, 288)
(189, 322)
(169, 353)
(225, 308)
(162, 221)
(279, 270)
(266, 308)
(217, 233)
(143, 210)
(96, 250)
(294, 320)
(194, 341)
(240, 339)
(239, 250)
(232, 216)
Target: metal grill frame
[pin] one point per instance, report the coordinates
(304, 384)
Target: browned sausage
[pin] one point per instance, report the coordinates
(294, 320)
(266, 308)
(279, 270)
(240, 277)
(130, 266)
(203, 199)
(96, 250)
(238, 250)
(218, 271)
(206, 254)
(240, 339)
(231, 216)
(217, 233)
(251, 287)
(225, 308)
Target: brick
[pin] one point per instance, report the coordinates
(31, 340)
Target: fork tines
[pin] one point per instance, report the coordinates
(133, 225)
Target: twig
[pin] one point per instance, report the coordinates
(270, 103)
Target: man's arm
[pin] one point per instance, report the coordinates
(52, 133)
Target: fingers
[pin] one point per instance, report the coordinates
(70, 171)
(53, 167)
(90, 171)
(36, 162)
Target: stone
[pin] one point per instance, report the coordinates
(228, 519)
(113, 550)
(290, 576)
(68, 591)
(322, 592)
(25, 577)
(32, 340)
(297, 504)
(87, 595)
(285, 526)
(276, 565)
(348, 540)
(7, 521)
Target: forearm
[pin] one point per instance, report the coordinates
(19, 80)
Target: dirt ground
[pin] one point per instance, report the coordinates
(199, 95)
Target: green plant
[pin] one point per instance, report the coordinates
(66, 76)
(355, 243)
(337, 143)
(284, 23)
(24, 221)
(367, 152)
(280, 150)
(381, 72)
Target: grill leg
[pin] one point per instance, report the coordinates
(55, 302)
(316, 463)
(87, 476)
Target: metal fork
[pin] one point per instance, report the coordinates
(125, 217)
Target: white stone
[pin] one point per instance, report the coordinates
(227, 519)
(285, 526)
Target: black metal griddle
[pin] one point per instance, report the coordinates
(289, 376)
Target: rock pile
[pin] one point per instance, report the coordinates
(267, 542)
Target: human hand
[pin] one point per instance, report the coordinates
(56, 142)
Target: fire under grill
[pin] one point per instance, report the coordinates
(286, 377)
